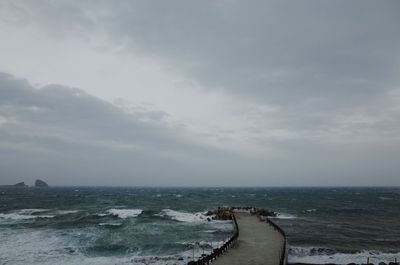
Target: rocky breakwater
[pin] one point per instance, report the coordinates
(265, 212)
(225, 213)
(222, 213)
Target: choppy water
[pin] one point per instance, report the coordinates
(161, 225)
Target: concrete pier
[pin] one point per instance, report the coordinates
(259, 243)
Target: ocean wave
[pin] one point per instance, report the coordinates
(203, 244)
(25, 214)
(183, 216)
(110, 224)
(15, 216)
(197, 249)
(284, 216)
(48, 247)
(102, 214)
(320, 255)
(63, 212)
(383, 198)
(31, 211)
(125, 213)
(310, 210)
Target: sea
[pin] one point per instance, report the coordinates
(140, 225)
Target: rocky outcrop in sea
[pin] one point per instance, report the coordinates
(40, 183)
(20, 184)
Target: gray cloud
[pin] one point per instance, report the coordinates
(70, 137)
(325, 57)
(313, 84)
(57, 128)
(280, 52)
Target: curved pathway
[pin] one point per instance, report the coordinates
(258, 243)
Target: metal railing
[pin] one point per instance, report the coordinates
(284, 250)
(216, 252)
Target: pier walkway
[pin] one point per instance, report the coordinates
(259, 243)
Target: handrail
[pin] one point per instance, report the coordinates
(284, 254)
(232, 240)
(216, 252)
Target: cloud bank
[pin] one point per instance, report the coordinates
(200, 93)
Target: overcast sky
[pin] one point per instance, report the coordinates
(200, 93)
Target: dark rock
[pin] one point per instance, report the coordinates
(223, 214)
(382, 263)
(265, 212)
(352, 263)
(21, 184)
(209, 213)
(40, 183)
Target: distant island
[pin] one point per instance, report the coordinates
(38, 184)
(21, 184)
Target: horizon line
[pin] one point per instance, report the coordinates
(219, 186)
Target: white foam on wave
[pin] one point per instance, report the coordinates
(285, 216)
(63, 212)
(203, 244)
(198, 248)
(125, 213)
(309, 255)
(31, 211)
(25, 214)
(310, 210)
(15, 216)
(45, 216)
(30, 246)
(110, 224)
(183, 216)
(49, 247)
